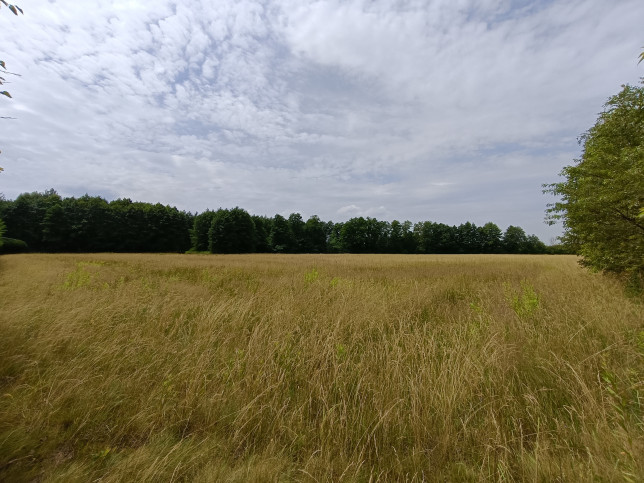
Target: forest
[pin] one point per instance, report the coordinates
(47, 222)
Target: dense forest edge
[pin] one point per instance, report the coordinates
(47, 222)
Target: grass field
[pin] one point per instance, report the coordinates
(317, 368)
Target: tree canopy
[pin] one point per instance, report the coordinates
(602, 195)
(47, 222)
(232, 231)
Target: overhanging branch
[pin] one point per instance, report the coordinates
(629, 219)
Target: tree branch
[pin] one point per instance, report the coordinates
(629, 219)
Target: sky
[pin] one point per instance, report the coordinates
(441, 110)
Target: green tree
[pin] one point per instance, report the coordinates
(514, 240)
(281, 238)
(200, 228)
(602, 195)
(315, 235)
(84, 221)
(3, 228)
(334, 237)
(25, 215)
(423, 236)
(297, 227)
(445, 238)
(408, 239)
(354, 235)
(262, 233)
(490, 236)
(534, 245)
(401, 237)
(468, 237)
(55, 231)
(395, 239)
(232, 231)
(365, 235)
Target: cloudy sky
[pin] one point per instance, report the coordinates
(441, 110)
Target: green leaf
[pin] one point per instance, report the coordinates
(602, 197)
(5, 93)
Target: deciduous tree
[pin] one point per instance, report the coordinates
(514, 240)
(200, 228)
(281, 238)
(602, 195)
(315, 235)
(232, 231)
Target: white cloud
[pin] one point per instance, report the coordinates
(444, 110)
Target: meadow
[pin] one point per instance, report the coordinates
(318, 368)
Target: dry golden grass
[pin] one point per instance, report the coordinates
(317, 368)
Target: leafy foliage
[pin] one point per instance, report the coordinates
(281, 237)
(3, 67)
(315, 235)
(200, 229)
(232, 231)
(15, 9)
(602, 196)
(49, 223)
(11, 245)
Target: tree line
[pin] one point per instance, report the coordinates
(46, 222)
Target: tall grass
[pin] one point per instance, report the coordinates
(317, 368)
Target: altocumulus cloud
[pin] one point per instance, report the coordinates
(451, 110)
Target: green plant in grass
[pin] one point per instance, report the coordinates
(312, 275)
(81, 276)
(78, 278)
(526, 302)
(341, 351)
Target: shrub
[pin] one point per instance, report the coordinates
(11, 245)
